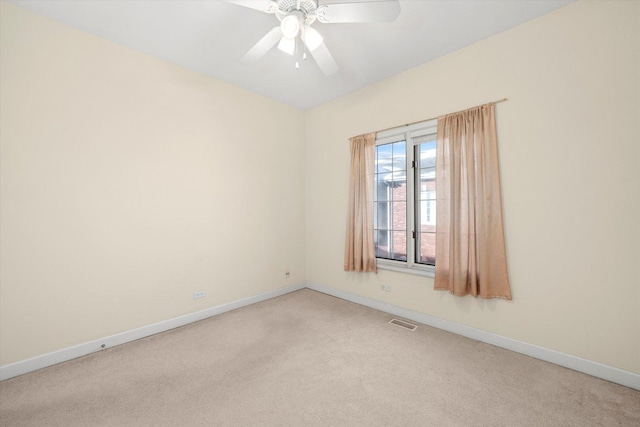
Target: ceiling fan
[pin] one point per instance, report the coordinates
(295, 35)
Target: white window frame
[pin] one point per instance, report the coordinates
(408, 133)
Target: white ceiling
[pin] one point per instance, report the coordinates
(210, 36)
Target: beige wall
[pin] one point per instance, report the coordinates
(569, 140)
(128, 183)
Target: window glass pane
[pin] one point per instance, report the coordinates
(399, 216)
(382, 247)
(428, 183)
(383, 158)
(426, 206)
(400, 156)
(390, 207)
(399, 162)
(427, 216)
(427, 249)
(383, 189)
(400, 245)
(383, 215)
(428, 154)
(399, 191)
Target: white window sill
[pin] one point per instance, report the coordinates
(402, 267)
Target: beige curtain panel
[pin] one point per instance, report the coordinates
(470, 251)
(359, 253)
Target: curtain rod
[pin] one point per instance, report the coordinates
(432, 118)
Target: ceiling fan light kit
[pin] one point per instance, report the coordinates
(312, 38)
(290, 24)
(295, 35)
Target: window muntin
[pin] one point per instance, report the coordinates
(404, 209)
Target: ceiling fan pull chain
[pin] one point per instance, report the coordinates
(296, 55)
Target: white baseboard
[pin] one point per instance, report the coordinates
(600, 370)
(39, 362)
(596, 369)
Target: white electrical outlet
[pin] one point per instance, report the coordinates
(199, 294)
(287, 275)
(386, 288)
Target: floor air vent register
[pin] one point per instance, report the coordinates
(402, 324)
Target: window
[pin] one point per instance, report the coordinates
(405, 198)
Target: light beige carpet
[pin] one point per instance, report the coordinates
(308, 359)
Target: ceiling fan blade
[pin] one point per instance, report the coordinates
(268, 6)
(324, 59)
(263, 46)
(362, 11)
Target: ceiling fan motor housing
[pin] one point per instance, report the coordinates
(307, 7)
